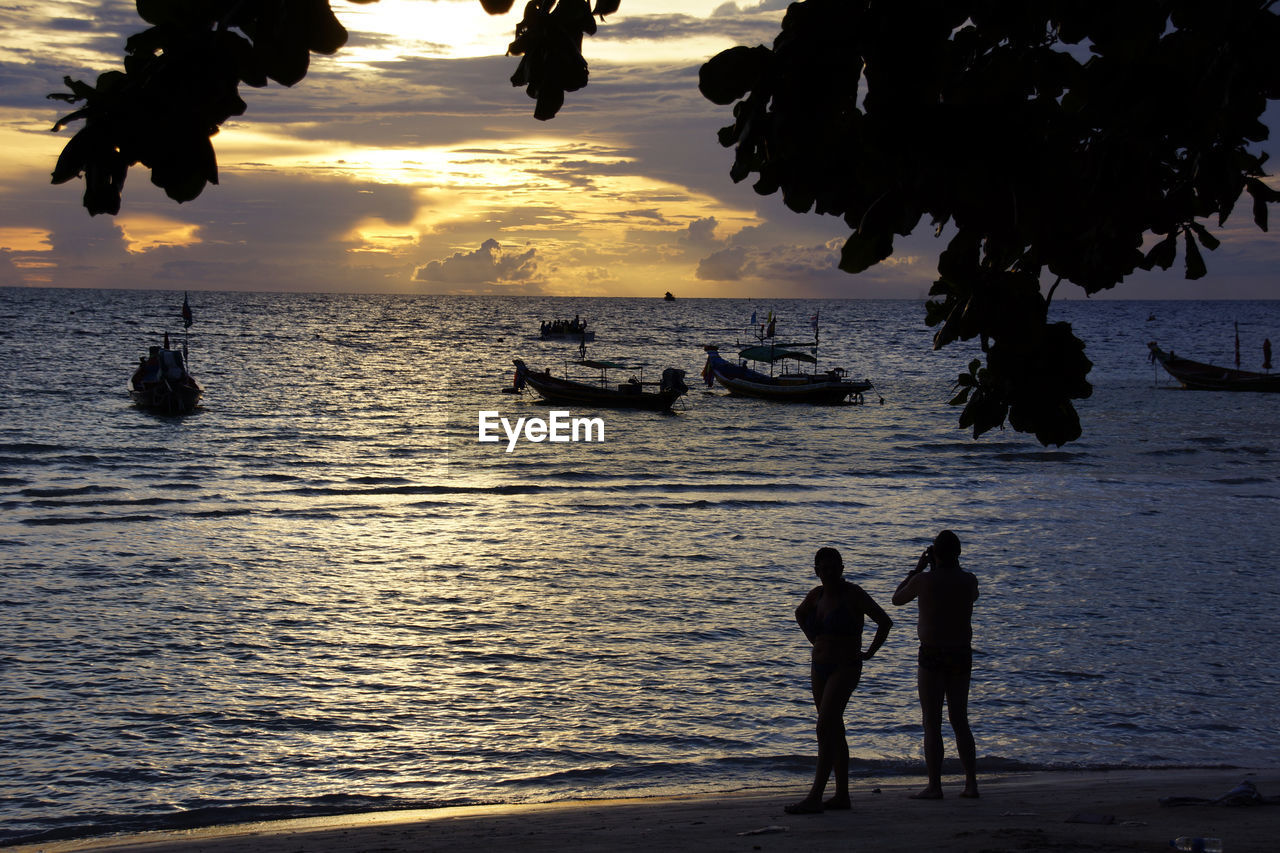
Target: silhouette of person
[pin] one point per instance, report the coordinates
(832, 616)
(945, 661)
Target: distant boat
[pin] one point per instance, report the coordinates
(669, 297)
(1208, 377)
(631, 394)
(792, 384)
(162, 384)
(566, 330)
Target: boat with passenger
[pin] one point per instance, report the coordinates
(566, 330)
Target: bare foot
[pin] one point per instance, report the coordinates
(837, 803)
(927, 794)
(970, 792)
(804, 807)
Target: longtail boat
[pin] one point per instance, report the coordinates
(1209, 377)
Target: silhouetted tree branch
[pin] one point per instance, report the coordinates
(182, 76)
(1054, 136)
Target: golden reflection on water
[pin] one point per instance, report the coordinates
(328, 585)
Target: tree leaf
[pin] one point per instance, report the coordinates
(863, 251)
(1207, 240)
(324, 33)
(72, 159)
(1162, 254)
(1195, 262)
(1262, 196)
(730, 74)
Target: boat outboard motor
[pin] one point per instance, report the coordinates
(673, 380)
(519, 379)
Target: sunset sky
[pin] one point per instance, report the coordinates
(407, 163)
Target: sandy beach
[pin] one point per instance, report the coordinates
(1060, 810)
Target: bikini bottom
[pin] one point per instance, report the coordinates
(824, 671)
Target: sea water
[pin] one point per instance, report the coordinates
(322, 593)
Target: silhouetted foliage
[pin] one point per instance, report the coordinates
(1051, 139)
(1048, 139)
(182, 76)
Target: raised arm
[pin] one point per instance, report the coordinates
(907, 590)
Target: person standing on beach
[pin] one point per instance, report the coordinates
(945, 661)
(832, 616)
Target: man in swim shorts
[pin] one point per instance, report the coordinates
(945, 662)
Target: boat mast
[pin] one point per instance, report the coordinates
(816, 315)
(186, 326)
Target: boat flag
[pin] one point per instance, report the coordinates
(1237, 325)
(769, 332)
(186, 312)
(753, 319)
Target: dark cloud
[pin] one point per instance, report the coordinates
(724, 265)
(812, 271)
(648, 213)
(701, 233)
(254, 231)
(486, 265)
(9, 275)
(81, 25)
(753, 25)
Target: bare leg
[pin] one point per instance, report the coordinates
(932, 690)
(831, 696)
(958, 712)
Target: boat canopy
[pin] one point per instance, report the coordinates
(775, 352)
(603, 365)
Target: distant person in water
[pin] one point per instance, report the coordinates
(945, 663)
(832, 616)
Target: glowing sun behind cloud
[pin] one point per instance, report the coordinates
(586, 205)
(446, 28)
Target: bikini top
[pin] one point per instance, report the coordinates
(842, 620)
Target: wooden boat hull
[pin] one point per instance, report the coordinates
(819, 389)
(625, 395)
(571, 337)
(1198, 376)
(161, 383)
(805, 390)
(177, 397)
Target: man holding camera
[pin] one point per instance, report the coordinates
(946, 593)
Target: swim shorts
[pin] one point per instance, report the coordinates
(946, 658)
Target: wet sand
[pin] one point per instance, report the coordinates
(1057, 810)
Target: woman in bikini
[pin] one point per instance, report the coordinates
(832, 616)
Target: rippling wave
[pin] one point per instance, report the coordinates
(321, 594)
